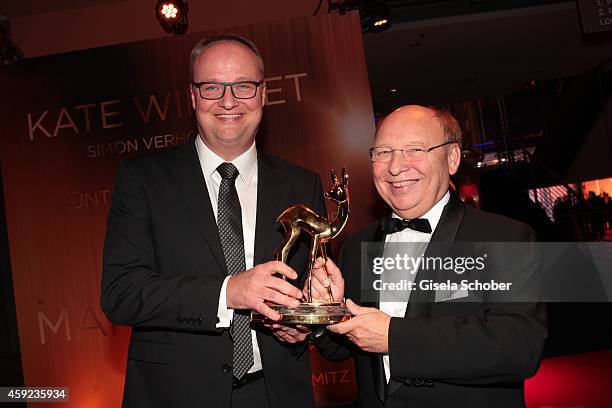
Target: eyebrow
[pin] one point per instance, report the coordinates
(246, 78)
(415, 144)
(239, 79)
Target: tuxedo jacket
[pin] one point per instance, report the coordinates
(458, 352)
(163, 272)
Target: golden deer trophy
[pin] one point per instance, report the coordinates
(321, 230)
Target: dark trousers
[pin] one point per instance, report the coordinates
(251, 395)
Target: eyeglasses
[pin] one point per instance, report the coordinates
(216, 90)
(385, 154)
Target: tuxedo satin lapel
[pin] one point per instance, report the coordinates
(450, 220)
(443, 237)
(188, 175)
(272, 191)
(419, 303)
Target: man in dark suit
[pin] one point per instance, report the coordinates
(426, 347)
(191, 233)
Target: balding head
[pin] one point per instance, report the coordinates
(450, 128)
(413, 182)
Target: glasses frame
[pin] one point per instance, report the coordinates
(225, 85)
(425, 151)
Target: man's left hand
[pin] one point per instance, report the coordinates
(368, 328)
(289, 334)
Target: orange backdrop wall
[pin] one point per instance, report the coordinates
(66, 122)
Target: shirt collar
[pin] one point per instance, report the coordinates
(434, 213)
(246, 163)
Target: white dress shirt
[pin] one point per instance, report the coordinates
(246, 186)
(398, 309)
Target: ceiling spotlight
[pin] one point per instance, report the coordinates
(169, 11)
(381, 22)
(172, 15)
(379, 18)
(393, 90)
(374, 14)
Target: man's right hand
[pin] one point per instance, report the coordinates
(326, 277)
(249, 289)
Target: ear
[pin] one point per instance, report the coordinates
(193, 96)
(454, 158)
(264, 95)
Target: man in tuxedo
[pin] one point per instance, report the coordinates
(191, 234)
(425, 347)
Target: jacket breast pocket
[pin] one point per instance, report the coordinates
(152, 352)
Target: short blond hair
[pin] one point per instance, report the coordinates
(207, 42)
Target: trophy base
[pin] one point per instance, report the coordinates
(306, 314)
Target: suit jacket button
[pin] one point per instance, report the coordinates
(227, 368)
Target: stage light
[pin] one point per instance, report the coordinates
(172, 15)
(169, 11)
(379, 18)
(374, 14)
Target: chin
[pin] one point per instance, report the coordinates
(406, 213)
(406, 201)
(403, 206)
(230, 137)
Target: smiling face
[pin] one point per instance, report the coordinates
(227, 125)
(409, 187)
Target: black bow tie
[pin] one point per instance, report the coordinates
(390, 225)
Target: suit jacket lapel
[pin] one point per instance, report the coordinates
(450, 220)
(420, 301)
(188, 175)
(272, 190)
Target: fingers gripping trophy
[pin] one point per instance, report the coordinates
(298, 219)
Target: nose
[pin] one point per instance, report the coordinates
(398, 164)
(228, 101)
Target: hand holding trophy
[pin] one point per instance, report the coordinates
(301, 218)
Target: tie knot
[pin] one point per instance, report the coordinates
(227, 171)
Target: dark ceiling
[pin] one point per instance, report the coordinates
(448, 51)
(20, 8)
(477, 55)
